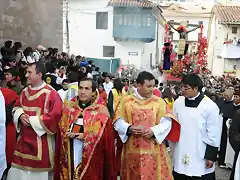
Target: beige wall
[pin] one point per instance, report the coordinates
(32, 22)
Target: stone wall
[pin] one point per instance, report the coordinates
(32, 22)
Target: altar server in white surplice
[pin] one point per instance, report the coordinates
(2, 135)
(196, 152)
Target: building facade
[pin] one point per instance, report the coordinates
(32, 22)
(224, 35)
(115, 29)
(194, 14)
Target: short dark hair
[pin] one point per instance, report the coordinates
(65, 81)
(8, 44)
(40, 68)
(50, 67)
(12, 71)
(94, 83)
(193, 80)
(144, 75)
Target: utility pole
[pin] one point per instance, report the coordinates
(157, 46)
(67, 27)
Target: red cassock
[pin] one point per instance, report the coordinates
(10, 98)
(44, 106)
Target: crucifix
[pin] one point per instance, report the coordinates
(182, 30)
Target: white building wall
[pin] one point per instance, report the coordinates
(86, 40)
(219, 34)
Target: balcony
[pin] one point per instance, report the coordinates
(134, 24)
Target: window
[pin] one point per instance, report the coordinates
(149, 20)
(144, 20)
(130, 19)
(234, 30)
(125, 19)
(102, 20)
(120, 19)
(108, 51)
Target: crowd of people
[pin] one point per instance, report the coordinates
(64, 119)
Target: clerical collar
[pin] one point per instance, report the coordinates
(195, 101)
(193, 98)
(236, 104)
(83, 105)
(38, 87)
(137, 95)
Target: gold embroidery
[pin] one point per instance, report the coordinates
(28, 156)
(186, 159)
(35, 96)
(31, 168)
(94, 128)
(39, 140)
(44, 127)
(93, 150)
(50, 149)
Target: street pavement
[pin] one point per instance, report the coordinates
(221, 174)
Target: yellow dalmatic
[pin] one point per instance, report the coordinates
(145, 159)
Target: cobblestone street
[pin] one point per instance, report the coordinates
(222, 174)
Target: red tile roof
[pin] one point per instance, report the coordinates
(227, 14)
(132, 3)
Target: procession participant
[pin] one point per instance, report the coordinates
(114, 98)
(36, 116)
(86, 143)
(2, 135)
(234, 139)
(10, 99)
(143, 124)
(231, 156)
(198, 116)
(108, 85)
(226, 108)
(63, 92)
(13, 80)
(102, 93)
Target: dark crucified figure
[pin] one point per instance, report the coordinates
(182, 29)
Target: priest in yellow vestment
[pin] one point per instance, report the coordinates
(143, 123)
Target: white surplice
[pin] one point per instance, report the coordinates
(237, 169)
(160, 131)
(199, 126)
(17, 174)
(230, 153)
(77, 146)
(2, 135)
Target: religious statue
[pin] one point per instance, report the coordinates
(182, 29)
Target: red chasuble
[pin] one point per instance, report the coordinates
(98, 147)
(10, 98)
(44, 106)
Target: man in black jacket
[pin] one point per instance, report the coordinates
(234, 139)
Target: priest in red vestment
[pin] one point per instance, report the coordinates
(36, 115)
(144, 123)
(10, 98)
(86, 145)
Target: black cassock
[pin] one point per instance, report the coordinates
(234, 139)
